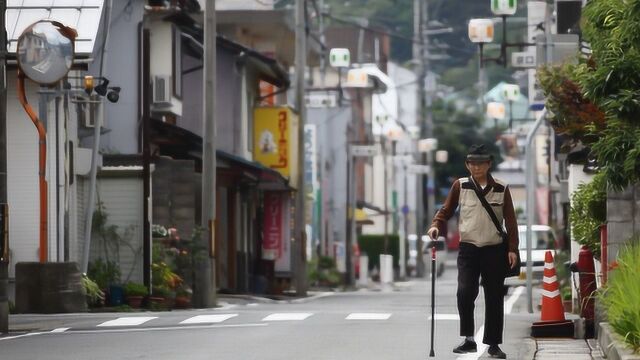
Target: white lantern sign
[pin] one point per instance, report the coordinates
(496, 110)
(511, 92)
(340, 58)
(481, 30)
(504, 7)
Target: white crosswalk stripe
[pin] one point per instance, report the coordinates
(287, 317)
(208, 319)
(127, 321)
(446, 317)
(368, 316)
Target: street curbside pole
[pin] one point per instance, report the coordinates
(299, 247)
(530, 176)
(206, 296)
(4, 236)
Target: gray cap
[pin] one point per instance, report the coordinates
(478, 153)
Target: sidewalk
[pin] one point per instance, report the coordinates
(567, 349)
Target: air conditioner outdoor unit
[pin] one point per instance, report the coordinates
(162, 90)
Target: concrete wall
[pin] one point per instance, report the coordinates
(576, 177)
(174, 195)
(623, 219)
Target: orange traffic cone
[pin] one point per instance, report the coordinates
(552, 309)
(553, 323)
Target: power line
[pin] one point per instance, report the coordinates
(367, 28)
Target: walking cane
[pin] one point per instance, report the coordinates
(433, 294)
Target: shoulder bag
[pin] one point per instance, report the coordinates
(515, 271)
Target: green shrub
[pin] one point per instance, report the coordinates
(588, 212)
(135, 289)
(373, 246)
(104, 273)
(323, 272)
(621, 297)
(326, 262)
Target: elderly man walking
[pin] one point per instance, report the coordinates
(482, 247)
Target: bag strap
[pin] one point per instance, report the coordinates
(487, 207)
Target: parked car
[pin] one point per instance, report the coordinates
(427, 243)
(542, 240)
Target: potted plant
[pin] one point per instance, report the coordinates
(135, 293)
(161, 298)
(106, 275)
(183, 297)
(95, 296)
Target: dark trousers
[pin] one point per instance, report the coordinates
(488, 262)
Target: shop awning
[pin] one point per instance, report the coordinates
(179, 143)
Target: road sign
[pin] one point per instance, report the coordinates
(523, 59)
(364, 150)
(419, 169)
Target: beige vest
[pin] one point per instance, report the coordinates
(475, 224)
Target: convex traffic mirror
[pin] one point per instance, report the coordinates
(45, 51)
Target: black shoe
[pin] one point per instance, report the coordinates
(467, 346)
(495, 352)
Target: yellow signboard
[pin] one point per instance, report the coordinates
(275, 139)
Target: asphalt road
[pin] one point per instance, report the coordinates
(367, 324)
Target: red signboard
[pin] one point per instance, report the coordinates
(273, 212)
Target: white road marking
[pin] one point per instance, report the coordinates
(481, 347)
(368, 316)
(446, 317)
(208, 319)
(128, 321)
(59, 330)
(287, 317)
(20, 336)
(253, 304)
(167, 328)
(508, 305)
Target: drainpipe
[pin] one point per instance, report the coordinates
(530, 174)
(4, 207)
(42, 161)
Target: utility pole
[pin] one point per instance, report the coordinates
(428, 82)
(207, 282)
(299, 247)
(4, 221)
(419, 59)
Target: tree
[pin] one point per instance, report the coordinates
(611, 79)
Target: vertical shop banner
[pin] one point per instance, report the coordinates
(273, 222)
(310, 170)
(275, 140)
(283, 262)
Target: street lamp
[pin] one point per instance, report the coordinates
(340, 58)
(502, 8)
(45, 54)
